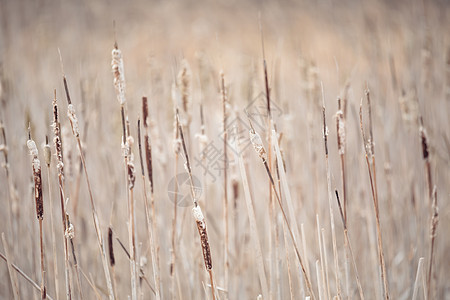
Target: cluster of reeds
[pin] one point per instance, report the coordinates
(278, 238)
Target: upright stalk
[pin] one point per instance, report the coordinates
(76, 133)
(38, 197)
(370, 152)
(225, 176)
(151, 222)
(60, 170)
(333, 232)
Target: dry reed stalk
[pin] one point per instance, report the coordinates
(197, 213)
(90, 282)
(184, 85)
(18, 270)
(12, 275)
(122, 246)
(177, 149)
(416, 282)
(288, 264)
(322, 270)
(326, 263)
(341, 143)
(203, 143)
(119, 84)
(70, 232)
(36, 165)
(319, 281)
(253, 225)
(272, 216)
(305, 252)
(76, 133)
(347, 238)
(48, 157)
(333, 232)
(291, 292)
(225, 176)
(433, 228)
(278, 261)
(131, 204)
(369, 152)
(259, 147)
(12, 196)
(151, 221)
(60, 171)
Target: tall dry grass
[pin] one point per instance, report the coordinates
(312, 214)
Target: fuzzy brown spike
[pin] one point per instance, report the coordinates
(112, 260)
(148, 147)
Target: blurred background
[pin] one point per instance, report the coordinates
(400, 50)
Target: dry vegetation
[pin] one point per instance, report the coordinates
(346, 103)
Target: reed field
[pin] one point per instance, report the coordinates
(224, 149)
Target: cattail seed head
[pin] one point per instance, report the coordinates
(119, 76)
(57, 139)
(36, 164)
(176, 136)
(424, 139)
(112, 260)
(184, 84)
(435, 216)
(131, 172)
(145, 112)
(148, 155)
(201, 226)
(340, 131)
(235, 185)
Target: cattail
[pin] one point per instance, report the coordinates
(435, 216)
(184, 84)
(36, 164)
(119, 75)
(112, 260)
(148, 147)
(75, 130)
(340, 127)
(57, 139)
(201, 226)
(60, 168)
(424, 140)
(196, 211)
(235, 185)
(370, 141)
(37, 178)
